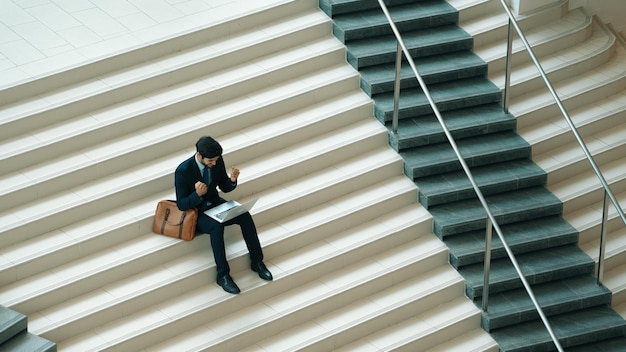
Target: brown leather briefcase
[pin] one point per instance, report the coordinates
(171, 221)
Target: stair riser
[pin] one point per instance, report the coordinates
(536, 83)
(316, 309)
(400, 313)
(385, 115)
(410, 81)
(585, 130)
(389, 57)
(202, 276)
(164, 112)
(579, 164)
(457, 134)
(301, 237)
(531, 314)
(143, 86)
(448, 166)
(470, 193)
(541, 49)
(182, 42)
(582, 269)
(68, 214)
(124, 161)
(530, 114)
(403, 26)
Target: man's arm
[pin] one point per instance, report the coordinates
(186, 195)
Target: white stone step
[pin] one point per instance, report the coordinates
(615, 249)
(76, 168)
(615, 280)
(548, 29)
(476, 340)
(595, 51)
(200, 303)
(160, 106)
(470, 10)
(409, 301)
(584, 189)
(338, 174)
(136, 256)
(431, 330)
(25, 216)
(229, 20)
(554, 131)
(587, 88)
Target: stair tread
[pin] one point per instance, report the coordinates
(554, 297)
(288, 301)
(590, 325)
(433, 41)
(447, 96)
(163, 66)
(510, 207)
(26, 341)
(462, 123)
(546, 232)
(447, 66)
(480, 150)
(137, 251)
(539, 266)
(491, 179)
(345, 317)
(78, 164)
(412, 16)
(50, 205)
(413, 333)
(138, 112)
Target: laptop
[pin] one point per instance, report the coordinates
(229, 210)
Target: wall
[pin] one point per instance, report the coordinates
(610, 11)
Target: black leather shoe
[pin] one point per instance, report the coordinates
(228, 284)
(261, 269)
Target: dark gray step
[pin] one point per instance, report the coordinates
(410, 17)
(454, 95)
(337, 7)
(540, 266)
(522, 237)
(28, 342)
(11, 323)
(476, 151)
(509, 207)
(555, 297)
(491, 179)
(433, 69)
(611, 345)
(588, 326)
(464, 123)
(430, 41)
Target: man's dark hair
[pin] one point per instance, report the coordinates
(208, 147)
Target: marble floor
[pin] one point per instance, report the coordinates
(40, 37)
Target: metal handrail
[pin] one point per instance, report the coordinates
(607, 190)
(491, 219)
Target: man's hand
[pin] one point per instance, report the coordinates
(234, 174)
(201, 188)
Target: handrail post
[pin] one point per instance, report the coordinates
(605, 210)
(396, 90)
(507, 68)
(487, 269)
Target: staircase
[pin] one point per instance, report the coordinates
(87, 153)
(525, 162)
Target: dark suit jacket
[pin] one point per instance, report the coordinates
(185, 178)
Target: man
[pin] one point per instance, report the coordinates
(196, 180)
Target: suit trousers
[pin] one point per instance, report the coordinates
(216, 232)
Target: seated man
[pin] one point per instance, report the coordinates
(196, 180)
